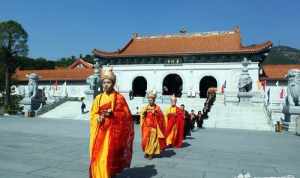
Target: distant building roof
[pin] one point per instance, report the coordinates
(277, 71)
(78, 71)
(228, 42)
(55, 74)
(80, 63)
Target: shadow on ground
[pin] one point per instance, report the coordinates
(185, 144)
(189, 138)
(139, 172)
(167, 154)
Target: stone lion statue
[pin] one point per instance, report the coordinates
(32, 85)
(293, 89)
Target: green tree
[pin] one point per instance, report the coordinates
(2, 79)
(13, 43)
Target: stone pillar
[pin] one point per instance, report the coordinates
(298, 125)
(94, 81)
(245, 84)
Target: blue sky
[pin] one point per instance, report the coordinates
(62, 28)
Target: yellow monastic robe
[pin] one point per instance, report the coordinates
(111, 140)
(174, 118)
(173, 133)
(152, 126)
(99, 169)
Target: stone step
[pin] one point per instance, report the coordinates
(251, 117)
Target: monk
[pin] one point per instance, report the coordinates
(111, 131)
(152, 128)
(175, 124)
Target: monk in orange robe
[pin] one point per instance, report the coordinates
(175, 124)
(111, 131)
(152, 128)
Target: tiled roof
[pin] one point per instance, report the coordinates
(75, 74)
(278, 72)
(185, 44)
(81, 61)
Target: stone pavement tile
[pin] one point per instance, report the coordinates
(81, 165)
(219, 174)
(274, 161)
(18, 165)
(14, 174)
(201, 173)
(224, 164)
(259, 170)
(59, 173)
(284, 171)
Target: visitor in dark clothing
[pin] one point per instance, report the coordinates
(199, 120)
(187, 122)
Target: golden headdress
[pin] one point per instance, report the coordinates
(108, 74)
(151, 94)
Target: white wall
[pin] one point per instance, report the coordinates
(275, 93)
(191, 74)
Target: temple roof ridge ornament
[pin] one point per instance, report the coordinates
(188, 34)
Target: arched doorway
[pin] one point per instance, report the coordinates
(205, 83)
(172, 84)
(139, 86)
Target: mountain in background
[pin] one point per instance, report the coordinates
(283, 55)
(277, 55)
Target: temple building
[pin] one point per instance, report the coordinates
(184, 64)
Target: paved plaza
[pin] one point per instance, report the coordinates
(51, 148)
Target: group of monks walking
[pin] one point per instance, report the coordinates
(112, 129)
(161, 130)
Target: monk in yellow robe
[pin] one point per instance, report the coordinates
(175, 124)
(111, 131)
(152, 128)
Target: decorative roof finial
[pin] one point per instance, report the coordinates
(183, 30)
(135, 35)
(236, 29)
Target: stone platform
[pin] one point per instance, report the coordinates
(239, 116)
(49, 148)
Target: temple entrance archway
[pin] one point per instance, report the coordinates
(139, 86)
(205, 83)
(172, 84)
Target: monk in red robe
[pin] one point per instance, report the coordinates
(111, 131)
(152, 128)
(175, 124)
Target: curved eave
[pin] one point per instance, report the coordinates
(99, 53)
(244, 50)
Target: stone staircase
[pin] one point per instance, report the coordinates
(252, 116)
(164, 102)
(238, 116)
(67, 110)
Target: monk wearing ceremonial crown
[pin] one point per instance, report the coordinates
(152, 128)
(175, 124)
(111, 131)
